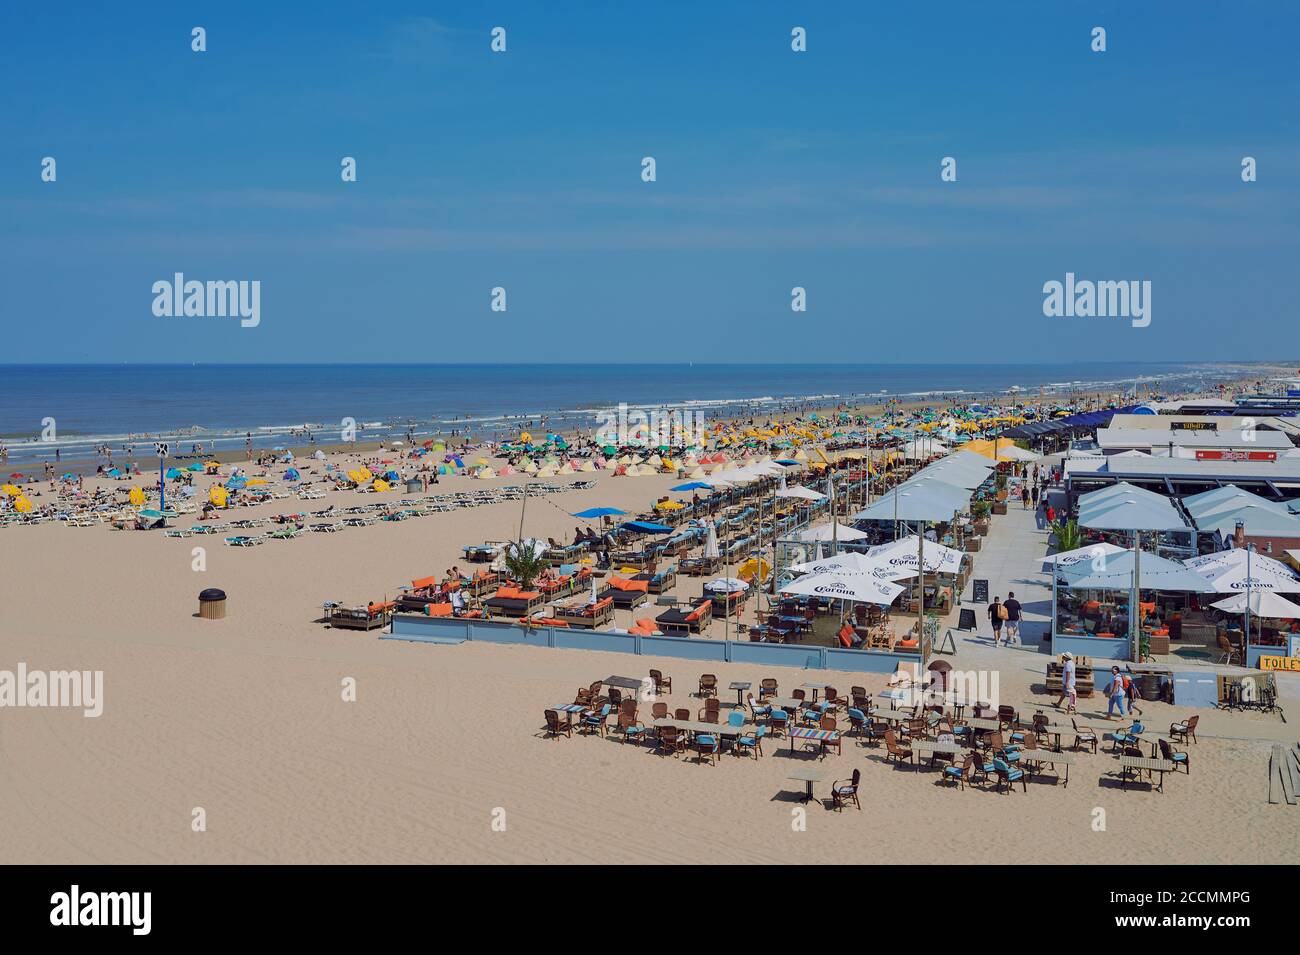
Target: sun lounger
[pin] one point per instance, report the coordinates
(483, 553)
(327, 528)
(660, 582)
(586, 615)
(627, 594)
(683, 621)
(178, 532)
(700, 566)
(284, 534)
(370, 617)
(513, 602)
(242, 541)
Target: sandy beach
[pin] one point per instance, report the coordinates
(245, 719)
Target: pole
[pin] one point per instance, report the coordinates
(523, 507)
(1133, 624)
(920, 589)
(1245, 640)
(162, 487)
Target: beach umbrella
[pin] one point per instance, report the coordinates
(726, 585)
(291, 474)
(1155, 573)
(594, 512)
(136, 496)
(218, 495)
(711, 550)
(826, 532)
(900, 557)
(195, 467)
(1099, 552)
(253, 482)
(1227, 572)
(11, 489)
(802, 493)
(21, 504)
(112, 472)
(835, 585)
(754, 567)
(692, 486)
(1263, 603)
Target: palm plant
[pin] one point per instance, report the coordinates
(524, 564)
(1067, 534)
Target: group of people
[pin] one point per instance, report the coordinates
(1006, 614)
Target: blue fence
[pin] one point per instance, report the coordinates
(1098, 648)
(444, 630)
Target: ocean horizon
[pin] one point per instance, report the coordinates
(220, 404)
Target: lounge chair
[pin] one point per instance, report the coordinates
(662, 684)
(844, 790)
(708, 685)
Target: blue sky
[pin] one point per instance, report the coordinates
(522, 170)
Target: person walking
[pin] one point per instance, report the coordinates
(1034, 495)
(1116, 694)
(997, 616)
(1012, 606)
(1024, 497)
(1069, 693)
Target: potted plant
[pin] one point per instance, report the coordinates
(980, 512)
(525, 565)
(1067, 535)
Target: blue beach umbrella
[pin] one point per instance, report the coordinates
(598, 512)
(692, 486)
(291, 474)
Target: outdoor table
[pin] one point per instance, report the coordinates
(809, 775)
(892, 716)
(624, 682)
(816, 735)
(1140, 763)
(788, 703)
(696, 726)
(1050, 756)
(925, 747)
(740, 688)
(568, 709)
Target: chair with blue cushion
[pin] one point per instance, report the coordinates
(1128, 737)
(752, 743)
(1010, 774)
(595, 722)
(857, 720)
(706, 747)
(1175, 756)
(756, 710)
(960, 774)
(631, 728)
(779, 720)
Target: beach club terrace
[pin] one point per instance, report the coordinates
(1278, 480)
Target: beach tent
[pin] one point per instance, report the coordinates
(172, 474)
(291, 474)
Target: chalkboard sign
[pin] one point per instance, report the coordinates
(967, 620)
(980, 594)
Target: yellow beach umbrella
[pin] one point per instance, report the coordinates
(256, 481)
(136, 496)
(21, 504)
(381, 485)
(218, 495)
(754, 566)
(11, 489)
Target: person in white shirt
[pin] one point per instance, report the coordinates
(1068, 691)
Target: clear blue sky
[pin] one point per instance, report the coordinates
(522, 170)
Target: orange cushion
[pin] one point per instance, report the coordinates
(906, 644)
(424, 582)
(438, 610)
(697, 613)
(622, 583)
(381, 607)
(845, 641)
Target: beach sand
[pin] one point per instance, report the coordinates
(245, 718)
